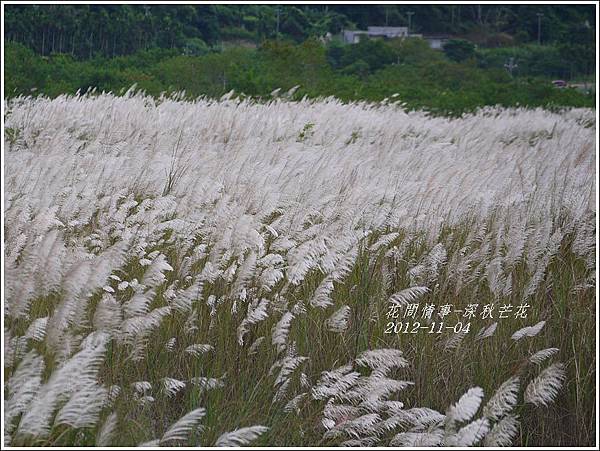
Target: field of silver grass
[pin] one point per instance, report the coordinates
(224, 273)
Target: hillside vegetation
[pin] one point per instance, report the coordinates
(209, 50)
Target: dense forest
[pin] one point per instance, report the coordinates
(111, 30)
(254, 49)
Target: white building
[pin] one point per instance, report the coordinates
(436, 41)
(388, 32)
(353, 36)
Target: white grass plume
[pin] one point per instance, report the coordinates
(106, 432)
(529, 331)
(281, 331)
(181, 429)
(503, 400)
(338, 321)
(208, 383)
(382, 358)
(184, 301)
(408, 295)
(322, 295)
(543, 389)
(172, 386)
(503, 432)
(22, 387)
(198, 349)
(74, 375)
(487, 332)
(470, 434)
(294, 403)
(335, 382)
(83, 409)
(37, 329)
(539, 357)
(467, 405)
(418, 439)
(241, 437)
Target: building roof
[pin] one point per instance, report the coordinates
(390, 30)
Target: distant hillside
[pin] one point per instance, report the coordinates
(85, 31)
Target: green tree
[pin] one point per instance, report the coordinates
(195, 47)
(375, 52)
(413, 51)
(459, 49)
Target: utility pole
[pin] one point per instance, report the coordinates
(277, 32)
(511, 65)
(539, 16)
(410, 14)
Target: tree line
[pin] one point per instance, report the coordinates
(85, 31)
(407, 71)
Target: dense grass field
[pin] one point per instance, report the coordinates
(297, 273)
